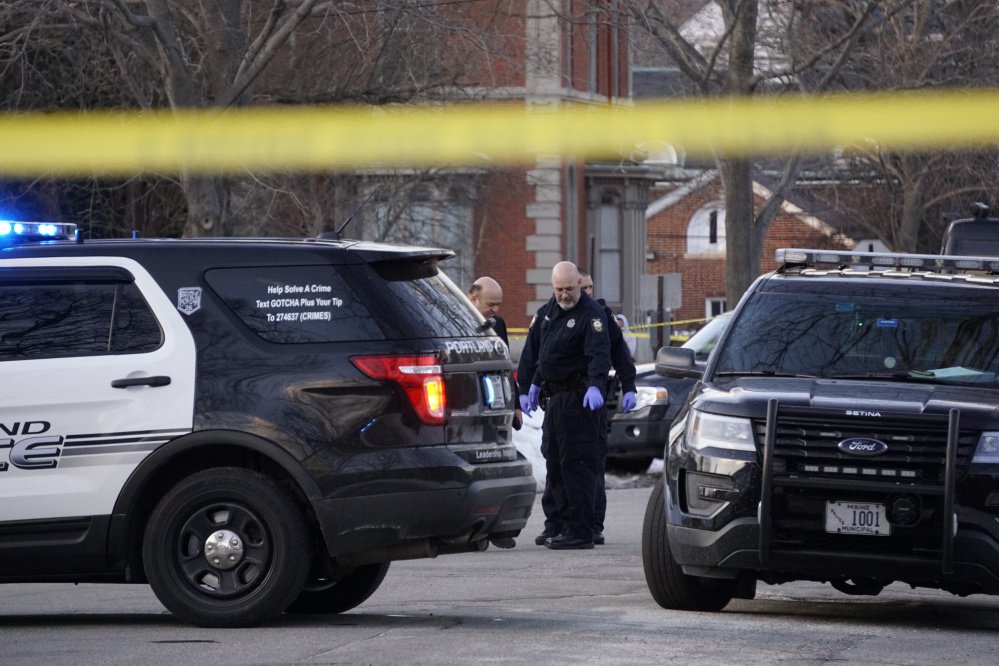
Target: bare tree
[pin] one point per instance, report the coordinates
(751, 51)
(207, 54)
(922, 45)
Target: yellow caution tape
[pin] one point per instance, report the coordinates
(309, 138)
(636, 327)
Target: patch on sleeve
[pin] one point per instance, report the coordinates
(598, 324)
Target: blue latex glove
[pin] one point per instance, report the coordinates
(593, 399)
(628, 402)
(534, 396)
(529, 402)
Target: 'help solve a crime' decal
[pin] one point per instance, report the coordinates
(298, 302)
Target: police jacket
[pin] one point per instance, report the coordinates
(564, 345)
(624, 366)
(499, 328)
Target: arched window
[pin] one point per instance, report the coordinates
(706, 230)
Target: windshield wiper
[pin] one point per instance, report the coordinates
(888, 377)
(761, 373)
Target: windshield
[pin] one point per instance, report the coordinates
(933, 333)
(704, 340)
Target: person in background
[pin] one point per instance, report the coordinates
(623, 360)
(565, 363)
(629, 338)
(487, 297)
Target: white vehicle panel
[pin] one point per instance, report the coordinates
(68, 439)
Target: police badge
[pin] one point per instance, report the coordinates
(189, 299)
(570, 323)
(597, 324)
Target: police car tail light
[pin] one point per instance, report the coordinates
(420, 376)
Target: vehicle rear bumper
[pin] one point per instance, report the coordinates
(413, 522)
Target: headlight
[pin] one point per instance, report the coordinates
(987, 450)
(719, 432)
(651, 395)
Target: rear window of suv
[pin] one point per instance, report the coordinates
(309, 304)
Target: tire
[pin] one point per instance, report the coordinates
(629, 465)
(222, 509)
(338, 595)
(670, 587)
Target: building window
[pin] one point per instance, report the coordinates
(607, 278)
(593, 52)
(436, 221)
(706, 230)
(714, 306)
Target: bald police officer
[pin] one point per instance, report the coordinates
(487, 297)
(565, 363)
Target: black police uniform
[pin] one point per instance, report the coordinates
(499, 328)
(566, 352)
(624, 370)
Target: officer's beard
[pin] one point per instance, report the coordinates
(567, 306)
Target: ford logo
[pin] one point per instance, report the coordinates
(862, 446)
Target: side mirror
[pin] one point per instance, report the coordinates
(677, 362)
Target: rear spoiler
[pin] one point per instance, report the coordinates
(373, 253)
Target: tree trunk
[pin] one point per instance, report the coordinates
(742, 263)
(741, 246)
(911, 216)
(205, 206)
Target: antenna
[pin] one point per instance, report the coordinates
(351, 216)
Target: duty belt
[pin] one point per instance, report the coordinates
(571, 384)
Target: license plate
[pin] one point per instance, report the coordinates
(492, 391)
(864, 518)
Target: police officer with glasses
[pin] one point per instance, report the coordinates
(565, 363)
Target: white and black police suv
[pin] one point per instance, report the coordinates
(845, 429)
(251, 426)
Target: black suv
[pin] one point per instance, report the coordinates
(248, 425)
(845, 429)
(637, 437)
(976, 235)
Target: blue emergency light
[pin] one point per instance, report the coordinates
(18, 233)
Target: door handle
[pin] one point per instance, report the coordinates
(156, 380)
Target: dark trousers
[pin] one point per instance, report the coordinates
(553, 521)
(600, 501)
(570, 444)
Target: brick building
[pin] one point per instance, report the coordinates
(515, 224)
(686, 235)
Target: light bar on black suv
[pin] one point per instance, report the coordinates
(926, 262)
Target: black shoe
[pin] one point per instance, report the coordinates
(543, 537)
(567, 542)
(598, 538)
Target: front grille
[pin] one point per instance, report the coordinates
(805, 446)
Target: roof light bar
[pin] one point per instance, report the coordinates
(14, 232)
(926, 262)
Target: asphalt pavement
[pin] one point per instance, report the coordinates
(526, 605)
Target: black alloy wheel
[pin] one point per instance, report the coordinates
(227, 547)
